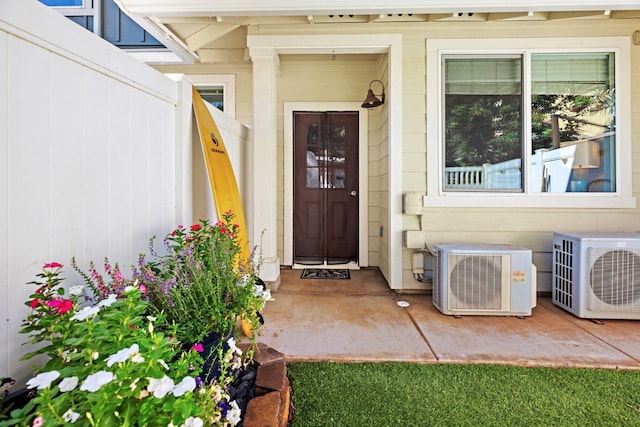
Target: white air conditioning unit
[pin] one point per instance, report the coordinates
(597, 275)
(483, 279)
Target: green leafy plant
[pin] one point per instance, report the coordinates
(108, 364)
(202, 284)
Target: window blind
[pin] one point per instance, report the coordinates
(483, 76)
(574, 73)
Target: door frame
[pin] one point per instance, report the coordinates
(363, 188)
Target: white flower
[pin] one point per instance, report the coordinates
(192, 422)
(108, 300)
(164, 364)
(233, 414)
(217, 393)
(237, 363)
(95, 355)
(97, 380)
(76, 290)
(68, 384)
(152, 318)
(43, 380)
(70, 416)
(137, 358)
(232, 346)
(187, 384)
(160, 387)
(124, 354)
(266, 295)
(86, 313)
(244, 280)
(258, 290)
(129, 288)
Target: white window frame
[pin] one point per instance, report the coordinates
(437, 197)
(228, 83)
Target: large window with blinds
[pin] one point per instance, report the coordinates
(529, 122)
(532, 121)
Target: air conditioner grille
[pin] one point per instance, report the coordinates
(614, 279)
(476, 282)
(563, 273)
(437, 296)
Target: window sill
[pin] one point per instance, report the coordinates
(542, 201)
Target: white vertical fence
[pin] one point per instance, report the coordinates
(89, 155)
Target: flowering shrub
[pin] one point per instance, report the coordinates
(109, 365)
(202, 284)
(101, 288)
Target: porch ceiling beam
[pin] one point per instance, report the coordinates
(208, 34)
(223, 55)
(361, 7)
(519, 16)
(625, 14)
(238, 20)
(601, 14)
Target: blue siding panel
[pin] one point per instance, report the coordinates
(122, 31)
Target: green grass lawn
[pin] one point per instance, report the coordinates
(398, 394)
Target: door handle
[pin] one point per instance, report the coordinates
(353, 193)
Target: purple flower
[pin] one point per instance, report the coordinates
(224, 406)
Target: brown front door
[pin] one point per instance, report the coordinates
(325, 193)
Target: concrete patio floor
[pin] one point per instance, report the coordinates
(359, 320)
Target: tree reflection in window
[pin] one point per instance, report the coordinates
(326, 156)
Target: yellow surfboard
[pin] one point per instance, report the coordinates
(223, 181)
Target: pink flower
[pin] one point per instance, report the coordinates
(38, 421)
(195, 227)
(34, 303)
(198, 347)
(61, 305)
(143, 289)
(52, 265)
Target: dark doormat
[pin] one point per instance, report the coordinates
(323, 273)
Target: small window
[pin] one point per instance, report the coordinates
(219, 90)
(214, 95)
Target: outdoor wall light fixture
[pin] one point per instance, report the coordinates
(372, 100)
